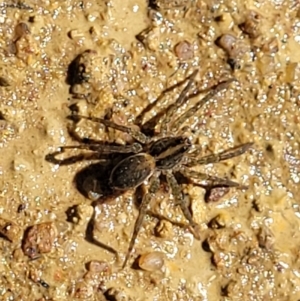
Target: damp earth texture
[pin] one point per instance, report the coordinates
(66, 226)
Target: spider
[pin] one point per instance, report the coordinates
(166, 153)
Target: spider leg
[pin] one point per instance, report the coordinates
(189, 113)
(140, 117)
(70, 160)
(137, 135)
(154, 185)
(182, 97)
(98, 148)
(213, 181)
(177, 193)
(227, 154)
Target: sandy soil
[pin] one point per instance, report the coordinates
(53, 233)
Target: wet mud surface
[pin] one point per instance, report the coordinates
(64, 234)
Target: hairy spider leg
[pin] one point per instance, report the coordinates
(177, 193)
(106, 148)
(139, 119)
(176, 124)
(99, 149)
(224, 155)
(154, 186)
(70, 160)
(178, 103)
(137, 135)
(213, 181)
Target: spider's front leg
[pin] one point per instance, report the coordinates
(212, 180)
(177, 193)
(70, 160)
(180, 100)
(193, 110)
(215, 158)
(98, 149)
(137, 135)
(154, 186)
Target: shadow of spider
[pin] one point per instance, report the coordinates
(164, 154)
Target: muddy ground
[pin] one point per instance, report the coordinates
(58, 240)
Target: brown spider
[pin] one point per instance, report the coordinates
(162, 154)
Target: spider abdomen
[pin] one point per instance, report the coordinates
(132, 171)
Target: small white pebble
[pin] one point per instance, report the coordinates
(135, 8)
(91, 18)
(151, 261)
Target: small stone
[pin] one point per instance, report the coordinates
(10, 230)
(39, 239)
(184, 50)
(151, 261)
